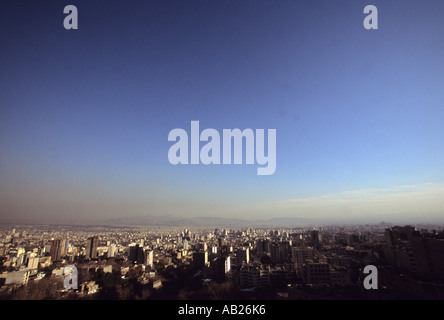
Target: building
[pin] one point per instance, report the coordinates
(200, 259)
(112, 249)
(279, 252)
(299, 255)
(242, 256)
(91, 247)
(149, 258)
(157, 284)
(202, 246)
(340, 276)
(315, 239)
(108, 269)
(136, 254)
(33, 264)
(262, 246)
(57, 250)
(315, 273)
(89, 287)
(221, 266)
(254, 277)
(17, 277)
(407, 248)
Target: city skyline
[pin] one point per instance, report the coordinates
(49, 262)
(86, 113)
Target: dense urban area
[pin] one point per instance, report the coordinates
(162, 263)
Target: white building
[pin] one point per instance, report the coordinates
(112, 249)
(254, 277)
(17, 277)
(149, 258)
(33, 264)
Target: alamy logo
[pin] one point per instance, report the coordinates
(371, 281)
(211, 151)
(70, 281)
(371, 21)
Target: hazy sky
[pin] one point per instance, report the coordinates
(85, 114)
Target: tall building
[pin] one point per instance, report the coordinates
(136, 254)
(33, 263)
(149, 258)
(202, 246)
(200, 259)
(57, 249)
(91, 247)
(263, 246)
(300, 255)
(242, 256)
(279, 252)
(221, 266)
(111, 250)
(409, 249)
(66, 246)
(315, 239)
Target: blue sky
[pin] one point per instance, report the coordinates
(85, 114)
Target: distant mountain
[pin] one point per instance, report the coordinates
(149, 220)
(285, 221)
(173, 221)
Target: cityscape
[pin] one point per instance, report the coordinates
(197, 152)
(174, 263)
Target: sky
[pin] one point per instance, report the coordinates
(85, 114)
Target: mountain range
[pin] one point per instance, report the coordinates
(173, 221)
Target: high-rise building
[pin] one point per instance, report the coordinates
(299, 255)
(149, 258)
(33, 263)
(200, 259)
(279, 252)
(422, 254)
(57, 249)
(315, 239)
(202, 246)
(111, 250)
(91, 247)
(221, 266)
(242, 256)
(263, 246)
(66, 246)
(136, 254)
